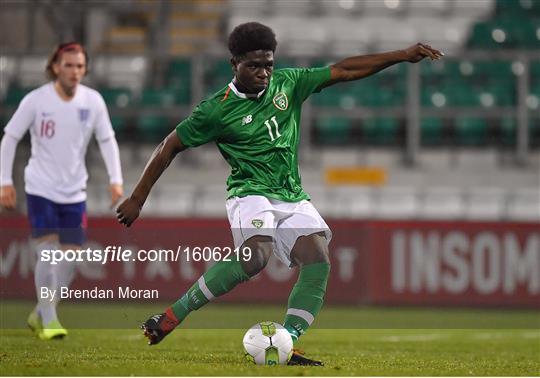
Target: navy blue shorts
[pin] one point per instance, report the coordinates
(48, 217)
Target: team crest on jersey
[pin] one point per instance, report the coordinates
(84, 114)
(281, 101)
(257, 223)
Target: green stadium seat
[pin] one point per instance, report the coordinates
(535, 70)
(313, 62)
(431, 131)
(362, 93)
(119, 97)
(432, 96)
(15, 94)
(330, 96)
(507, 131)
(290, 63)
(179, 68)
(222, 68)
(513, 28)
(535, 88)
(397, 70)
(521, 29)
(460, 93)
(491, 35)
(503, 92)
(380, 131)
(534, 132)
(383, 96)
(440, 68)
(535, 7)
(153, 128)
(332, 131)
(517, 7)
(179, 80)
(470, 131)
(217, 74)
(499, 69)
(158, 97)
(119, 124)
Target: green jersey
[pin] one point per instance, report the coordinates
(258, 136)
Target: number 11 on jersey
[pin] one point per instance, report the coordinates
(269, 127)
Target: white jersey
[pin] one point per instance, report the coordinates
(60, 131)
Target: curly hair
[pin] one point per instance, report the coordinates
(56, 54)
(251, 36)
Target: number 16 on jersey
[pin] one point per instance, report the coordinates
(47, 128)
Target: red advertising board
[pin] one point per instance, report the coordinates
(454, 263)
(380, 262)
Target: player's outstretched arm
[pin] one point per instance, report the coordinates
(358, 67)
(165, 152)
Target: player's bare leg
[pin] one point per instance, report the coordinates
(218, 280)
(310, 253)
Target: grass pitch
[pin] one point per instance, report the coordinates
(351, 341)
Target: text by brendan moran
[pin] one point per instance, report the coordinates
(122, 292)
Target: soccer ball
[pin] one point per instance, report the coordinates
(268, 343)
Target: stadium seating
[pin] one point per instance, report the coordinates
(524, 204)
(397, 203)
(351, 202)
(470, 131)
(119, 124)
(442, 203)
(158, 97)
(31, 71)
(380, 131)
(179, 80)
(121, 71)
(183, 197)
(211, 201)
(153, 128)
(116, 97)
(468, 101)
(15, 94)
(485, 203)
(432, 131)
(332, 131)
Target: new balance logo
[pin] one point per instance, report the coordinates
(247, 119)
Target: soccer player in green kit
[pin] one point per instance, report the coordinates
(255, 123)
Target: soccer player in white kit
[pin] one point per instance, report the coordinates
(61, 115)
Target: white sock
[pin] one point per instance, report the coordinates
(45, 277)
(65, 272)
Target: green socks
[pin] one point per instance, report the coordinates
(218, 280)
(306, 298)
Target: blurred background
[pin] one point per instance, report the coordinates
(462, 133)
(457, 140)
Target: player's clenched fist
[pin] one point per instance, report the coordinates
(116, 191)
(8, 196)
(128, 211)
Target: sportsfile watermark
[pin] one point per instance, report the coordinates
(127, 275)
(121, 254)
